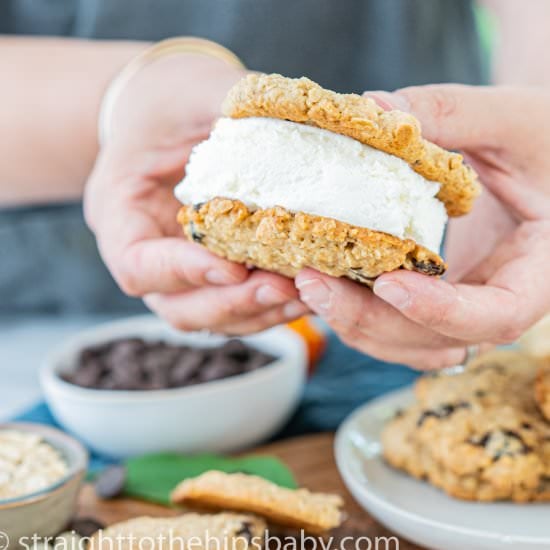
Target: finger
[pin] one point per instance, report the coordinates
(143, 260)
(458, 116)
(168, 265)
(513, 298)
(209, 307)
(417, 358)
(351, 308)
(273, 317)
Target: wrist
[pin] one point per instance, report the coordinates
(183, 47)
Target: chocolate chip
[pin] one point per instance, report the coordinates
(480, 442)
(480, 393)
(186, 368)
(110, 482)
(85, 527)
(443, 411)
(428, 267)
(134, 364)
(197, 206)
(502, 443)
(195, 235)
(526, 426)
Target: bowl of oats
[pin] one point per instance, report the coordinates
(41, 471)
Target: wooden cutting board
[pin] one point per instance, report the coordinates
(311, 460)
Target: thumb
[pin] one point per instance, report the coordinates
(461, 117)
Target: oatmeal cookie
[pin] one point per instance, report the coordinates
(231, 531)
(542, 388)
(278, 240)
(477, 435)
(313, 512)
(498, 376)
(358, 117)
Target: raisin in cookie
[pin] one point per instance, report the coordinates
(478, 435)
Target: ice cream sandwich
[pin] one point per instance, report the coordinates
(297, 176)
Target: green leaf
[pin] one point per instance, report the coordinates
(153, 477)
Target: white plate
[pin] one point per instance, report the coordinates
(418, 511)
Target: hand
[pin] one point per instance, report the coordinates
(498, 283)
(129, 204)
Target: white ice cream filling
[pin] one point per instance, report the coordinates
(266, 162)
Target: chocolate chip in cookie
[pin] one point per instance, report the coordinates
(443, 411)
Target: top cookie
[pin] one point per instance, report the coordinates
(394, 132)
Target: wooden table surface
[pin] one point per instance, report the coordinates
(311, 460)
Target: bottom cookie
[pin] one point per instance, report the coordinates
(277, 240)
(225, 531)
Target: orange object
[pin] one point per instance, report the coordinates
(315, 339)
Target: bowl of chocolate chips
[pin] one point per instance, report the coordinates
(137, 386)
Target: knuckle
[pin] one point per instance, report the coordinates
(443, 105)
(127, 273)
(183, 326)
(352, 338)
(127, 282)
(510, 333)
(434, 317)
(227, 310)
(190, 273)
(518, 321)
(433, 104)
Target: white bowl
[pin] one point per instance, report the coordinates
(220, 416)
(47, 512)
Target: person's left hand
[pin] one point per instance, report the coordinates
(499, 254)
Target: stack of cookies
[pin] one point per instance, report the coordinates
(481, 434)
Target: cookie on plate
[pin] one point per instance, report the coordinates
(477, 435)
(186, 532)
(298, 176)
(542, 388)
(498, 376)
(297, 508)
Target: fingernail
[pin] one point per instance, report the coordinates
(315, 293)
(218, 277)
(295, 309)
(393, 293)
(268, 295)
(389, 100)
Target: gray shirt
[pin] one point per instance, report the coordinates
(48, 259)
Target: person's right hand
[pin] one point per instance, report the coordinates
(129, 204)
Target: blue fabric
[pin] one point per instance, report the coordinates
(343, 380)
